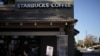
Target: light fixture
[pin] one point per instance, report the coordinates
(21, 24)
(6, 23)
(35, 23)
(51, 23)
(66, 23)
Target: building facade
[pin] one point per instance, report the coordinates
(38, 28)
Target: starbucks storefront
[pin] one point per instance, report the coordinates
(34, 42)
(37, 28)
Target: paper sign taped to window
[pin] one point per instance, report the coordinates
(49, 51)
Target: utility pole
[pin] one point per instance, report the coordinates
(85, 37)
(86, 33)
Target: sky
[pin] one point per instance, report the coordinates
(88, 14)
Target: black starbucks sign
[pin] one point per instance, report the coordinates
(42, 4)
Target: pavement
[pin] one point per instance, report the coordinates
(89, 53)
(84, 50)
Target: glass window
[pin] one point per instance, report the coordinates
(5, 2)
(62, 45)
(1, 2)
(15, 45)
(1, 41)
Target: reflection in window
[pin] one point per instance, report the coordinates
(16, 45)
(1, 41)
(62, 45)
(7, 2)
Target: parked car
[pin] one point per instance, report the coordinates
(90, 49)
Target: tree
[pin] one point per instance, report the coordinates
(89, 40)
(80, 43)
